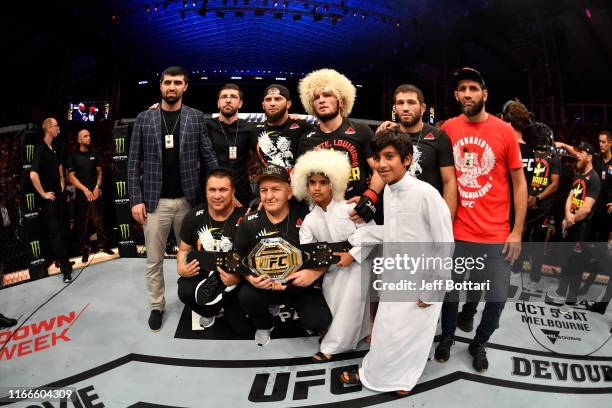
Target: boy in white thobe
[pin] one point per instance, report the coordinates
(321, 178)
(403, 329)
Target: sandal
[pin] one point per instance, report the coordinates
(321, 358)
(350, 377)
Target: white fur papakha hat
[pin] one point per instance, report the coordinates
(332, 164)
(327, 80)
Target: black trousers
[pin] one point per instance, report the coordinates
(308, 302)
(534, 235)
(234, 315)
(573, 262)
(497, 270)
(51, 216)
(87, 212)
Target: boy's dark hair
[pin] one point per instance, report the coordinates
(175, 71)
(230, 85)
(406, 88)
(392, 137)
(221, 172)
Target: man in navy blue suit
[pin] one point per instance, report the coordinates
(166, 146)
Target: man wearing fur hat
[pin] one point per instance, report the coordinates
(278, 137)
(330, 97)
(321, 178)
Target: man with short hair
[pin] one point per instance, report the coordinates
(576, 226)
(85, 174)
(233, 139)
(279, 136)
(211, 227)
(166, 146)
(432, 161)
(279, 218)
(487, 156)
(47, 176)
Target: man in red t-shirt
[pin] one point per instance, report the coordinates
(487, 156)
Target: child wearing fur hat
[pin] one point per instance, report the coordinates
(321, 178)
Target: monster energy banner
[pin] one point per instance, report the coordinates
(121, 137)
(30, 137)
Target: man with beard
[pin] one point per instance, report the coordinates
(233, 139)
(432, 160)
(163, 175)
(576, 226)
(278, 138)
(47, 176)
(487, 156)
(85, 174)
(330, 96)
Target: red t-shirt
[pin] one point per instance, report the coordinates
(484, 152)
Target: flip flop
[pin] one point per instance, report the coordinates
(321, 358)
(350, 377)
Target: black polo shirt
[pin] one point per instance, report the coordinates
(46, 163)
(84, 164)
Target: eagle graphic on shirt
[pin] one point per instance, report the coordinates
(278, 150)
(211, 240)
(415, 168)
(472, 165)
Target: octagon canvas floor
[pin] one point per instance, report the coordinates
(92, 337)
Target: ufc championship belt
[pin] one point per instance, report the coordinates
(275, 258)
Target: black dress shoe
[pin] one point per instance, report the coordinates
(6, 322)
(108, 251)
(155, 319)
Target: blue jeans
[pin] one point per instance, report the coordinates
(497, 271)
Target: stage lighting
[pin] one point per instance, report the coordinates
(185, 2)
(147, 8)
(285, 4)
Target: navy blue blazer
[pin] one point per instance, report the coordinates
(145, 156)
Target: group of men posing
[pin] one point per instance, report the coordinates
(439, 186)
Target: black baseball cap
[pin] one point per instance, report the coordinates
(273, 171)
(468, 73)
(277, 89)
(586, 147)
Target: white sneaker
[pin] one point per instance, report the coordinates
(206, 322)
(274, 310)
(262, 336)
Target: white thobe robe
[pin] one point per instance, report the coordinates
(343, 290)
(403, 333)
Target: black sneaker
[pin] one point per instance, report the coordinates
(598, 307)
(479, 352)
(443, 350)
(465, 322)
(155, 319)
(67, 277)
(6, 322)
(210, 290)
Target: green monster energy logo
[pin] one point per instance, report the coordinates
(125, 230)
(121, 191)
(29, 201)
(29, 153)
(120, 145)
(35, 247)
